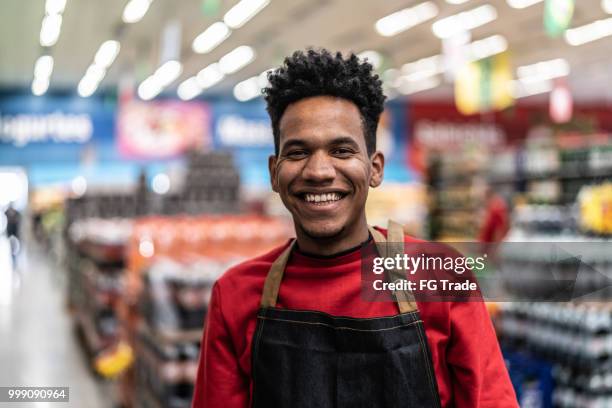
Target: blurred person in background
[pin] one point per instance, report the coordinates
(496, 220)
(13, 222)
(290, 328)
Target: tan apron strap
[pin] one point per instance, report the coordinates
(380, 241)
(395, 246)
(274, 278)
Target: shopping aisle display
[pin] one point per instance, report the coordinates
(558, 185)
(456, 194)
(548, 172)
(210, 184)
(95, 274)
(139, 291)
(551, 169)
(575, 339)
(173, 264)
(560, 353)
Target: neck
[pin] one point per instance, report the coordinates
(351, 237)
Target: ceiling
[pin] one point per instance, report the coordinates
(283, 26)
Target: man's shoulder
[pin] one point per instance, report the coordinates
(251, 268)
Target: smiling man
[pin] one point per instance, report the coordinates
(289, 328)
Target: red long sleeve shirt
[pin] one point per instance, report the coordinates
(468, 364)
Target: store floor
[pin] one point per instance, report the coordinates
(38, 345)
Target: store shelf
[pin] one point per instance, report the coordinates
(93, 340)
(162, 336)
(601, 174)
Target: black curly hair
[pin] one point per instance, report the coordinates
(319, 72)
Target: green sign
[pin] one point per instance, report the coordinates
(211, 7)
(557, 16)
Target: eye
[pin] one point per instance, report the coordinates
(343, 152)
(296, 154)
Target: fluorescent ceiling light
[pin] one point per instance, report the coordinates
(589, 32)
(405, 19)
(189, 89)
(90, 81)
(373, 58)
(464, 21)
(55, 6)
(168, 72)
(606, 5)
(522, 89)
(149, 88)
(487, 47)
(40, 86)
(242, 12)
(236, 59)
(209, 76)
(416, 76)
(408, 87)
(163, 76)
(107, 53)
(263, 78)
(247, 89)
(95, 72)
(50, 29)
(543, 70)
(431, 64)
(251, 88)
(457, 1)
(104, 58)
(390, 76)
(520, 4)
(87, 86)
(43, 67)
(210, 38)
(135, 10)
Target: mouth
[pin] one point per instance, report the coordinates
(322, 199)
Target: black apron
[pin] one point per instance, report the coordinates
(310, 359)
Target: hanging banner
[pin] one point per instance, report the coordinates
(484, 85)
(162, 129)
(561, 102)
(557, 16)
(53, 129)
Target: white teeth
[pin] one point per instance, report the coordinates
(318, 198)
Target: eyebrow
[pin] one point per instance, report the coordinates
(340, 140)
(293, 143)
(344, 140)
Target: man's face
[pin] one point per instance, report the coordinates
(323, 171)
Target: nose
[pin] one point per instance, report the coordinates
(319, 168)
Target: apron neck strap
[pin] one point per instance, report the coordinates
(275, 276)
(393, 245)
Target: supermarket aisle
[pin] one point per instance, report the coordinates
(37, 342)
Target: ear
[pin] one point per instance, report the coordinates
(272, 169)
(377, 163)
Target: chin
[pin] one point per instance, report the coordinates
(322, 230)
